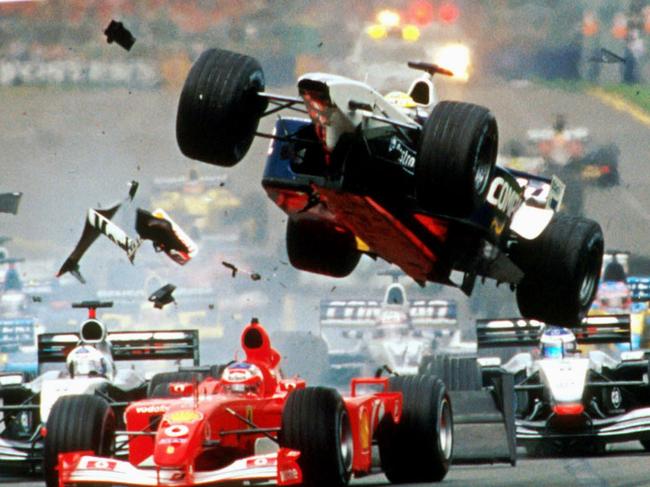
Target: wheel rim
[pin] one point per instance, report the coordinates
(345, 442)
(482, 164)
(446, 428)
(587, 288)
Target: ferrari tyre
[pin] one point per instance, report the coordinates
(320, 247)
(159, 384)
(419, 447)
(561, 270)
(459, 373)
(316, 423)
(456, 158)
(219, 110)
(76, 423)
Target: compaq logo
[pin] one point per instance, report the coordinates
(503, 196)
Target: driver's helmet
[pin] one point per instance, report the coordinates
(87, 361)
(557, 342)
(242, 378)
(400, 99)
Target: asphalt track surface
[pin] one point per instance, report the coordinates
(626, 467)
(63, 164)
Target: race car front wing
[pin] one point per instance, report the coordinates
(83, 467)
(634, 425)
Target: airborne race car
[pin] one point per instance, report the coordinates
(414, 184)
(254, 425)
(89, 356)
(569, 403)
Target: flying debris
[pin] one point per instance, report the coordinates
(99, 221)
(608, 57)
(163, 296)
(165, 234)
(230, 266)
(9, 202)
(116, 32)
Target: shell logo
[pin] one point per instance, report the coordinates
(184, 416)
(364, 429)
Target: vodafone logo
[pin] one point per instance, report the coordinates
(101, 464)
(158, 408)
(503, 196)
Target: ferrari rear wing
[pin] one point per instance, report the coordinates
(363, 313)
(519, 332)
(127, 345)
(15, 333)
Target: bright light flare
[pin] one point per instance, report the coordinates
(388, 18)
(457, 59)
(410, 33)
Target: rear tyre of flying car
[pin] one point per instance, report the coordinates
(561, 270)
(321, 247)
(219, 110)
(419, 447)
(159, 384)
(76, 423)
(315, 422)
(456, 157)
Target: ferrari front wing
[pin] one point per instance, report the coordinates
(83, 467)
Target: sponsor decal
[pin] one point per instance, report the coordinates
(184, 416)
(157, 408)
(101, 464)
(504, 196)
(260, 462)
(176, 430)
(406, 157)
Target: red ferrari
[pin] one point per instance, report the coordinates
(251, 424)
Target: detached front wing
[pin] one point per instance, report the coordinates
(82, 467)
(634, 425)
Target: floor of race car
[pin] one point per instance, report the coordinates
(624, 466)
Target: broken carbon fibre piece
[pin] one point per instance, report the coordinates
(116, 32)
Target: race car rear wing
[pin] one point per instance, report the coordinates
(127, 345)
(640, 288)
(519, 332)
(363, 313)
(15, 333)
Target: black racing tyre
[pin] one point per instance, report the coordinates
(456, 157)
(219, 110)
(159, 383)
(75, 423)
(321, 247)
(458, 372)
(561, 270)
(419, 447)
(316, 423)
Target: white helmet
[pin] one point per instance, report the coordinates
(557, 342)
(86, 360)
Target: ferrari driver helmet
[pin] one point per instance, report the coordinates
(557, 342)
(242, 378)
(86, 361)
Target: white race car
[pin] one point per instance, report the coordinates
(569, 402)
(90, 357)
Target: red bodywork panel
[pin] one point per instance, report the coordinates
(389, 237)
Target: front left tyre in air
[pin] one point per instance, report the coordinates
(219, 109)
